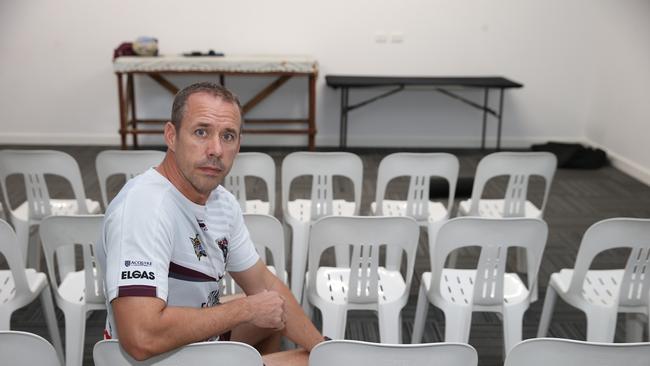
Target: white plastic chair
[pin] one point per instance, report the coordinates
(567, 352)
(488, 288)
(220, 353)
(267, 233)
(601, 294)
(34, 165)
(20, 286)
(76, 292)
(301, 213)
(252, 164)
(355, 353)
(519, 167)
(419, 167)
(363, 285)
(26, 349)
(124, 162)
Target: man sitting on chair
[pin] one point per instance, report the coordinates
(171, 234)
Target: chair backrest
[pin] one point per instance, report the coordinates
(267, 232)
(353, 353)
(10, 249)
(616, 233)
(251, 164)
(64, 231)
(26, 349)
(494, 237)
(124, 162)
(366, 234)
(420, 167)
(34, 165)
(322, 167)
(569, 352)
(519, 166)
(220, 353)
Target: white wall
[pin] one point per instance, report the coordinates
(619, 111)
(58, 85)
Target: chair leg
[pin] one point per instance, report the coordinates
(5, 319)
(390, 324)
(75, 332)
(633, 327)
(52, 324)
(513, 317)
(22, 236)
(421, 311)
(601, 325)
(458, 321)
(547, 311)
(334, 321)
(299, 244)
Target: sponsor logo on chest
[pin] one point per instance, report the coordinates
(135, 274)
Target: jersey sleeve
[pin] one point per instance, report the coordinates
(138, 248)
(242, 250)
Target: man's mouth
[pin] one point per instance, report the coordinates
(210, 170)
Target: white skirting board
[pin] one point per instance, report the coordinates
(625, 164)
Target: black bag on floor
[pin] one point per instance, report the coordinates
(574, 156)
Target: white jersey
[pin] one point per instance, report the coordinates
(156, 242)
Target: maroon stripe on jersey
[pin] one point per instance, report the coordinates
(136, 290)
(186, 274)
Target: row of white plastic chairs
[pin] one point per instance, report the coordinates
(309, 162)
(299, 214)
(366, 284)
(26, 349)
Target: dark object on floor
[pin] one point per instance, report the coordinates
(574, 156)
(439, 188)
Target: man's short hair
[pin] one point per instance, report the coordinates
(214, 89)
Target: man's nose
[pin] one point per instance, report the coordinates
(215, 147)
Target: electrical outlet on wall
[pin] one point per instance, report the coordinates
(397, 37)
(381, 37)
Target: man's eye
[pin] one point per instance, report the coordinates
(201, 132)
(229, 136)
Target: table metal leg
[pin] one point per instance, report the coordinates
(485, 106)
(312, 112)
(343, 134)
(500, 119)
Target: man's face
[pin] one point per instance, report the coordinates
(207, 142)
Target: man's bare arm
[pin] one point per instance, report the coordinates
(147, 326)
(298, 328)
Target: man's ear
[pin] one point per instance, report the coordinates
(170, 136)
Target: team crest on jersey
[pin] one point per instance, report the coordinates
(213, 298)
(199, 250)
(202, 224)
(223, 245)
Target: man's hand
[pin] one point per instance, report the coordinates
(268, 309)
